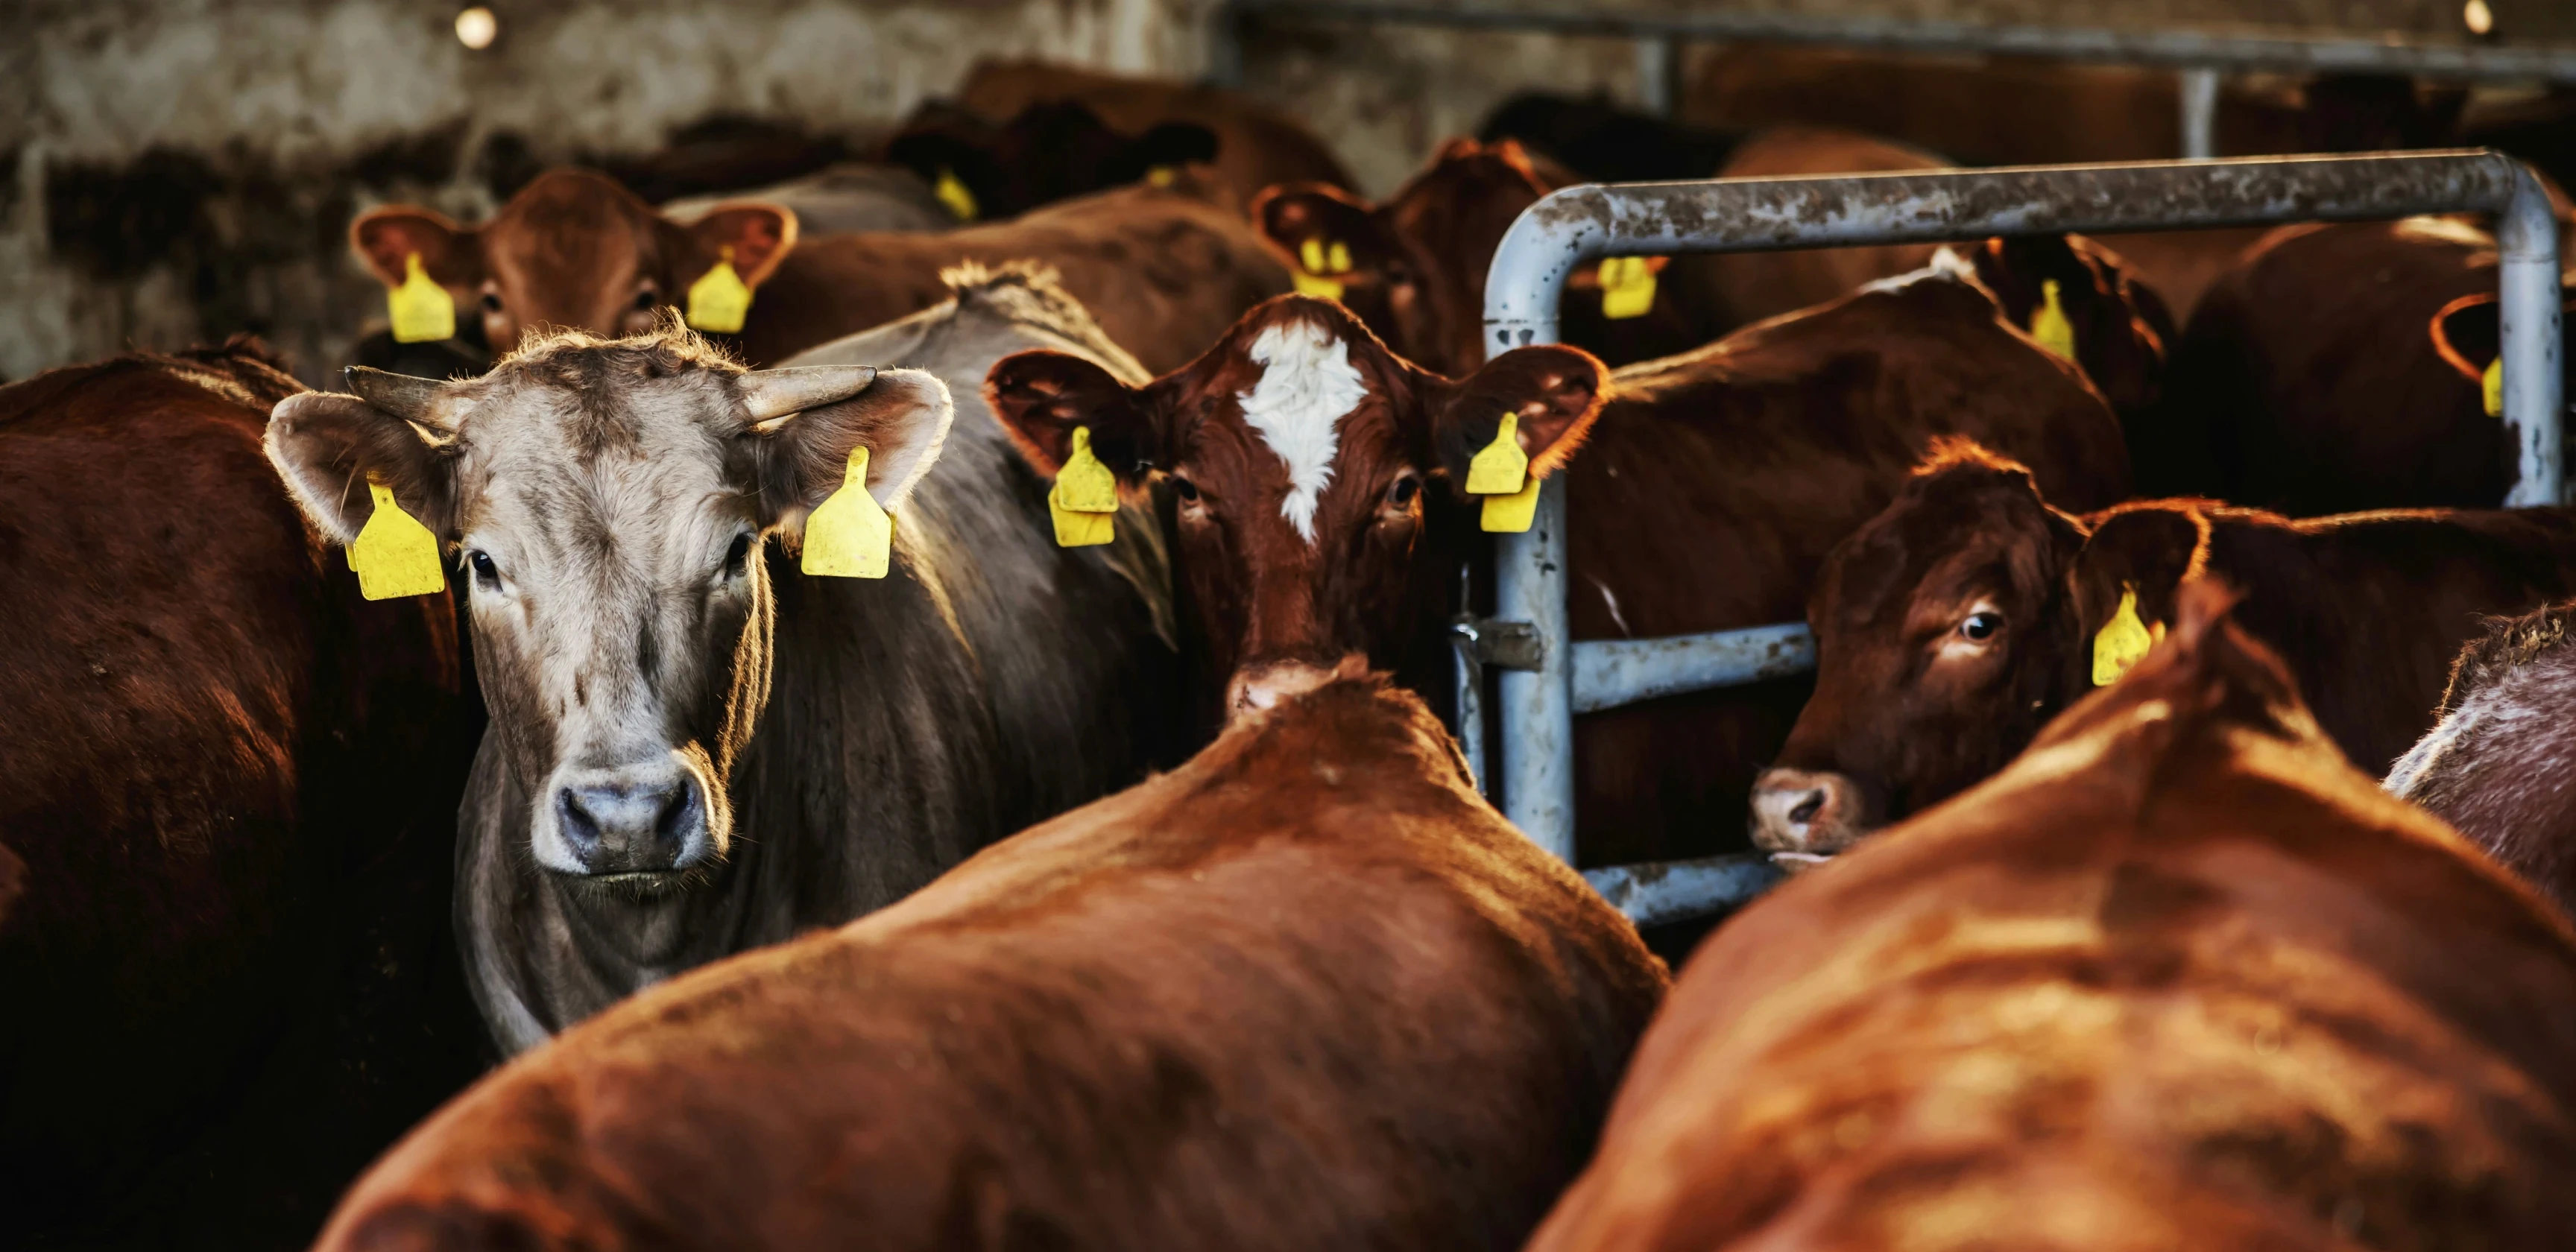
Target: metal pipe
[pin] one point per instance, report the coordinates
(2235, 53)
(1659, 74)
(2199, 113)
(1612, 672)
(1674, 891)
(2529, 300)
(1538, 705)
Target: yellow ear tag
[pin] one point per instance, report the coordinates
(1627, 287)
(2492, 384)
(1161, 176)
(2122, 641)
(422, 310)
(1513, 513)
(1501, 469)
(1338, 258)
(1084, 501)
(952, 192)
(849, 535)
(394, 555)
(2048, 323)
(1312, 265)
(719, 300)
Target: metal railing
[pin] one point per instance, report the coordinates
(2201, 55)
(1545, 679)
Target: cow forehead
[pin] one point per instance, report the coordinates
(1305, 387)
(634, 456)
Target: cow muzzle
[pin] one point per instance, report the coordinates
(1804, 817)
(644, 819)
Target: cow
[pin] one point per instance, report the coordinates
(1191, 1015)
(1601, 142)
(1322, 511)
(695, 747)
(228, 977)
(2180, 977)
(1257, 145)
(838, 199)
(2339, 367)
(1052, 150)
(1970, 611)
(2496, 763)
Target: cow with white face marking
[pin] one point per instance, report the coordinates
(694, 747)
(1299, 449)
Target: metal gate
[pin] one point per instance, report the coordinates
(1544, 679)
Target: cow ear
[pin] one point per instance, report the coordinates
(807, 421)
(2148, 552)
(328, 447)
(2467, 334)
(1295, 215)
(386, 237)
(1041, 396)
(754, 235)
(1555, 390)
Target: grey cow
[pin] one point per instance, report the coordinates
(695, 748)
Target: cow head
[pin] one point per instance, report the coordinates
(1416, 262)
(573, 250)
(610, 502)
(2123, 332)
(1945, 640)
(1051, 151)
(1309, 463)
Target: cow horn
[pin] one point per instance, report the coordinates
(777, 393)
(419, 400)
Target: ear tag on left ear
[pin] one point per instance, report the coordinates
(1501, 468)
(1313, 264)
(422, 311)
(2048, 322)
(395, 556)
(952, 192)
(1627, 287)
(1161, 176)
(2491, 385)
(1511, 514)
(849, 535)
(1084, 501)
(2122, 641)
(719, 300)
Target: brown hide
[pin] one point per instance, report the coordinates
(2179, 978)
(2496, 765)
(1305, 991)
(2368, 610)
(2313, 377)
(1751, 286)
(1257, 145)
(1164, 272)
(231, 787)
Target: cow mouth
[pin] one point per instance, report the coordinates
(1800, 862)
(640, 885)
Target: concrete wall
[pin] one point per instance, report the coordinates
(175, 170)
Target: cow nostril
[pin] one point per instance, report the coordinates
(579, 826)
(1807, 808)
(672, 822)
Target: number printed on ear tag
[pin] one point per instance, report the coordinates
(719, 300)
(1084, 500)
(2048, 322)
(422, 311)
(395, 556)
(849, 535)
(2122, 642)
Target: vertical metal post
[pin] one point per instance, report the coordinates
(1659, 74)
(1538, 705)
(2199, 114)
(1225, 45)
(1471, 721)
(2528, 305)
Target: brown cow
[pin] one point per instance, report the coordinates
(1050, 151)
(2178, 978)
(1306, 991)
(1710, 491)
(2496, 765)
(231, 784)
(2337, 367)
(1257, 145)
(1958, 621)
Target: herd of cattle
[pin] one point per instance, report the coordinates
(1057, 893)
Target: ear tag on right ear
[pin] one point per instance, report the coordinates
(2122, 641)
(2491, 384)
(2048, 322)
(1627, 287)
(1501, 469)
(1313, 264)
(849, 535)
(952, 192)
(395, 556)
(1511, 514)
(1084, 501)
(422, 310)
(719, 300)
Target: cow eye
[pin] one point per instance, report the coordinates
(1981, 626)
(737, 556)
(1184, 488)
(646, 298)
(485, 572)
(491, 302)
(1401, 494)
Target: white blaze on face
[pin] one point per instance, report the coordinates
(1307, 387)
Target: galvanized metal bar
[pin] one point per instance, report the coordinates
(1659, 74)
(1470, 723)
(2529, 303)
(1677, 891)
(2199, 113)
(1538, 705)
(1612, 672)
(2231, 51)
